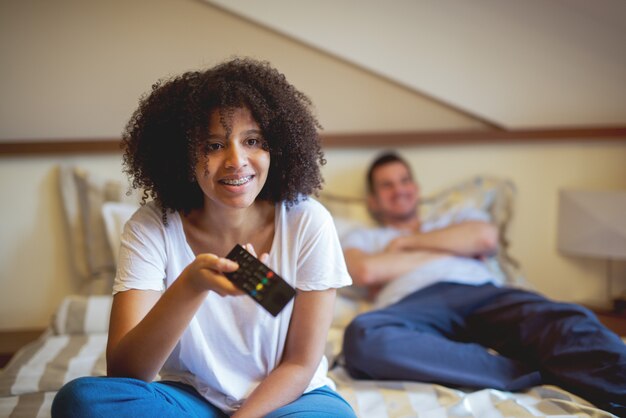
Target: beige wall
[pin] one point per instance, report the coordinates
(563, 62)
(538, 171)
(74, 69)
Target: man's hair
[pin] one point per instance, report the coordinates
(168, 133)
(383, 159)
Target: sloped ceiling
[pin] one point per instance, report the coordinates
(529, 64)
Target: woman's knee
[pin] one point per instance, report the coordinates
(322, 402)
(76, 398)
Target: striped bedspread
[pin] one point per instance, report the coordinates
(75, 347)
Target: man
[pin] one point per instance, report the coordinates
(439, 315)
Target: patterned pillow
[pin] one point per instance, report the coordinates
(83, 195)
(493, 196)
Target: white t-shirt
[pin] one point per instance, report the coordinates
(232, 343)
(448, 268)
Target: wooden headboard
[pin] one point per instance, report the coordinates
(358, 140)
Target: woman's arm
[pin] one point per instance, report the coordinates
(145, 325)
(306, 340)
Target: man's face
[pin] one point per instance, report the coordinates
(395, 195)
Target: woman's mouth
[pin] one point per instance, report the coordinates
(236, 182)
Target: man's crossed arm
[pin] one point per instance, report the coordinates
(405, 253)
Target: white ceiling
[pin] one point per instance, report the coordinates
(517, 64)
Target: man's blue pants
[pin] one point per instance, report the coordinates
(447, 333)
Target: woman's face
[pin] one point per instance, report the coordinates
(234, 170)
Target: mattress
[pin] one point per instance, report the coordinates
(75, 344)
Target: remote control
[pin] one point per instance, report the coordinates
(262, 284)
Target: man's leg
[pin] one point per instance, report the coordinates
(572, 348)
(88, 397)
(423, 337)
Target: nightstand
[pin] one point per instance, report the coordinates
(12, 341)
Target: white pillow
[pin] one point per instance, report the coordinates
(115, 215)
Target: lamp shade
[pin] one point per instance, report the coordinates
(592, 223)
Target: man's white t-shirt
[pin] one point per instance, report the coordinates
(232, 343)
(450, 268)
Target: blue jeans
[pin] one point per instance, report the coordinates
(95, 397)
(442, 333)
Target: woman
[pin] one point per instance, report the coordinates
(228, 156)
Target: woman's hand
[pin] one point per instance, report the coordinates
(206, 273)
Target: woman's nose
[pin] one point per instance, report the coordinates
(236, 156)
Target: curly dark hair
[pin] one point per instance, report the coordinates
(167, 133)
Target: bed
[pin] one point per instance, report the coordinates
(74, 343)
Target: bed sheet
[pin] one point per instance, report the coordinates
(67, 351)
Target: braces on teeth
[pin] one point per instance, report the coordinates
(237, 182)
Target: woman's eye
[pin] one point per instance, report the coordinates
(257, 143)
(214, 146)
